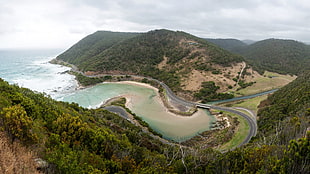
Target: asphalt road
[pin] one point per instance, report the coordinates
(251, 120)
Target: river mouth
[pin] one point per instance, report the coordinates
(145, 102)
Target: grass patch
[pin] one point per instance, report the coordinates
(266, 82)
(240, 134)
(252, 103)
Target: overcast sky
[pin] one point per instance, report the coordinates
(61, 23)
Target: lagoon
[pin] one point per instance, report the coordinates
(145, 102)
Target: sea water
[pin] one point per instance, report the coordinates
(31, 69)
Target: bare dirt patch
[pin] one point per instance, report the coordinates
(224, 79)
(163, 63)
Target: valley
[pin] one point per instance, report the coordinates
(144, 98)
(229, 78)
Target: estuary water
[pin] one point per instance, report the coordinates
(31, 69)
(146, 103)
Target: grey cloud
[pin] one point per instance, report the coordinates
(241, 19)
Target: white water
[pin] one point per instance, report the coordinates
(31, 69)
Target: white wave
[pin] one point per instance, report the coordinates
(43, 76)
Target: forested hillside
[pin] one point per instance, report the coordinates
(162, 54)
(93, 45)
(285, 115)
(78, 140)
(232, 45)
(282, 56)
(74, 139)
(274, 55)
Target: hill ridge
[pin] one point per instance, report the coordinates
(284, 56)
(169, 56)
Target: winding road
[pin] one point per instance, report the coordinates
(250, 119)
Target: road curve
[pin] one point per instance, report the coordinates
(251, 121)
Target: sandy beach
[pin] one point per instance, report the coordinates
(130, 98)
(144, 100)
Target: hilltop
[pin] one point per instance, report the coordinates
(92, 45)
(232, 45)
(275, 55)
(179, 59)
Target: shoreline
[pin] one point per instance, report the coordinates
(173, 112)
(157, 98)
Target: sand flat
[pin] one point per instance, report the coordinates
(145, 102)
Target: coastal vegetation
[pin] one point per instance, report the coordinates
(77, 140)
(72, 139)
(164, 55)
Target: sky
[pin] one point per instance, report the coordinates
(61, 23)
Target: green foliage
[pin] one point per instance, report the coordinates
(216, 72)
(285, 112)
(243, 84)
(74, 139)
(297, 156)
(208, 93)
(79, 140)
(131, 53)
(18, 124)
(92, 45)
(228, 44)
(275, 55)
(87, 81)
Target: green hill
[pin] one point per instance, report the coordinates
(274, 55)
(286, 113)
(232, 45)
(162, 54)
(281, 56)
(72, 139)
(93, 45)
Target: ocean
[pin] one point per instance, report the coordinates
(31, 69)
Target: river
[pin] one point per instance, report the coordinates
(243, 97)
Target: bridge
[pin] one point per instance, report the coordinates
(203, 106)
(251, 121)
